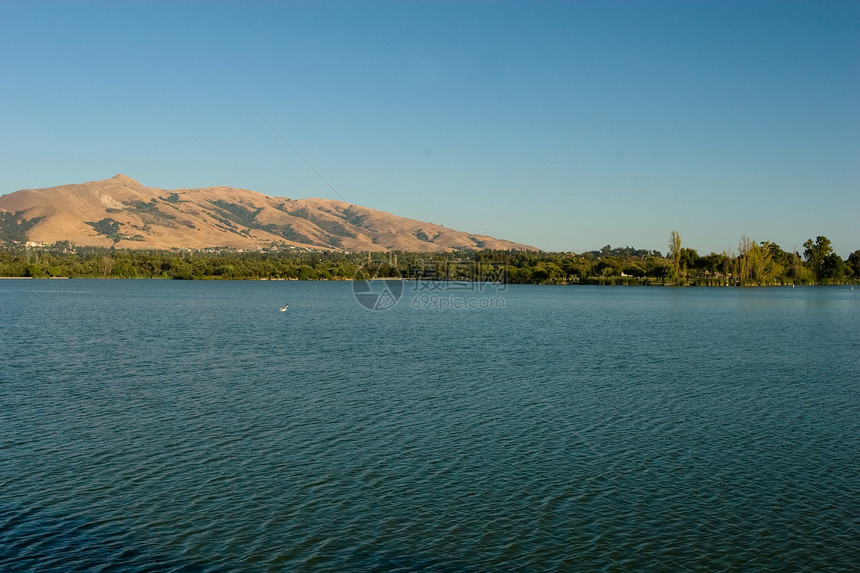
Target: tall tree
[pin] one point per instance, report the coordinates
(675, 253)
(816, 254)
(745, 258)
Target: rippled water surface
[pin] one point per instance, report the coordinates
(190, 426)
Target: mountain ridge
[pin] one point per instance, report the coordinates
(126, 214)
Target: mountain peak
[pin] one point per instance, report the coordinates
(121, 177)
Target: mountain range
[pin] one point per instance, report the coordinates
(121, 212)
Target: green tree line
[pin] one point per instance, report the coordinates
(762, 263)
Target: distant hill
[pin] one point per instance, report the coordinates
(123, 213)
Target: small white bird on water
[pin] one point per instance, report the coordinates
(284, 308)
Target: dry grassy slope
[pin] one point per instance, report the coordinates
(150, 218)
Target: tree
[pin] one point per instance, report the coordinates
(779, 256)
(834, 267)
(633, 269)
(744, 259)
(854, 263)
(715, 263)
(106, 265)
(816, 254)
(577, 267)
(554, 274)
(657, 267)
(608, 267)
(689, 258)
(763, 269)
(675, 253)
(756, 264)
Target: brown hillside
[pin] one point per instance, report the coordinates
(123, 213)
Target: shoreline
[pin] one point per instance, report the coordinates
(595, 282)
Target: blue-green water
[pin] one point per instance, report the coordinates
(190, 426)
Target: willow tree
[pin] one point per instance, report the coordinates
(756, 263)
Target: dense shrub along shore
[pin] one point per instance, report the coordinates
(756, 264)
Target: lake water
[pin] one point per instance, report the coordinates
(190, 426)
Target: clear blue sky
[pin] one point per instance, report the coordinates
(564, 125)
